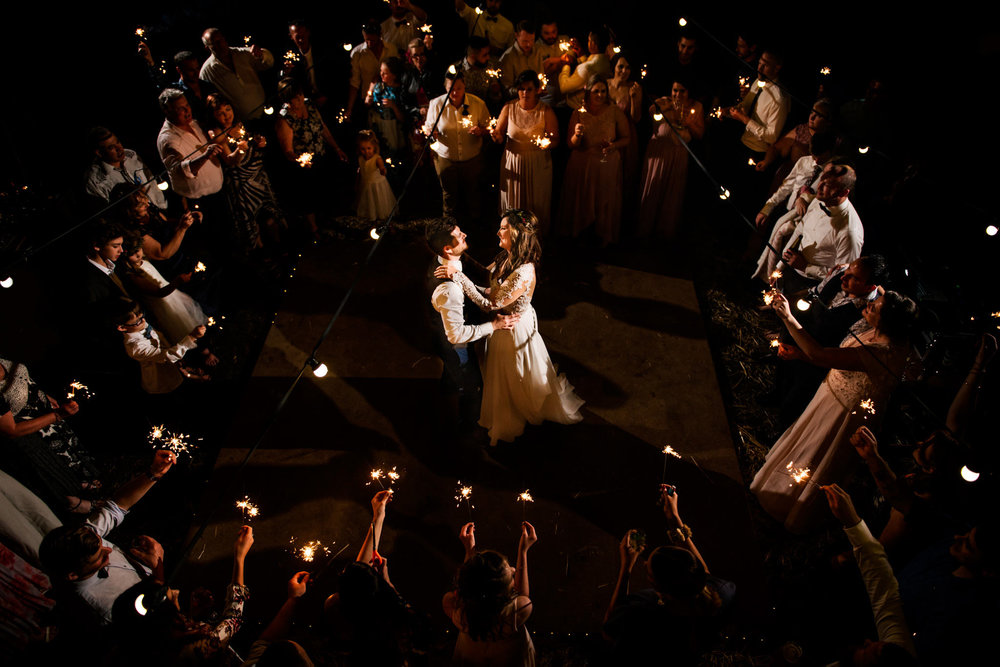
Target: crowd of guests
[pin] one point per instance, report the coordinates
(571, 128)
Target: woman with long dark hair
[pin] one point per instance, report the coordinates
(520, 383)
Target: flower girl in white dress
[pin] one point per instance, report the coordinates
(375, 198)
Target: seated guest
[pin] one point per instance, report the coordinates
(113, 164)
(161, 371)
(149, 624)
(87, 570)
(678, 610)
(490, 604)
(233, 71)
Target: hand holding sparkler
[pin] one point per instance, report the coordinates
(244, 540)
(865, 443)
(841, 506)
(467, 535)
(163, 460)
(630, 547)
(528, 538)
(379, 501)
(789, 352)
(297, 585)
(668, 496)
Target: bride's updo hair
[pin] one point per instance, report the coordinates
(524, 245)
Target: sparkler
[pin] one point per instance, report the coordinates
(292, 56)
(524, 497)
(250, 511)
(667, 452)
(750, 162)
(775, 275)
(268, 110)
(862, 149)
(564, 45)
(643, 72)
(426, 28)
(305, 159)
(156, 433)
(247, 39)
(309, 550)
(479, 10)
(341, 116)
(775, 342)
(542, 141)
(492, 124)
(467, 122)
(825, 71)
(658, 116)
(464, 494)
(543, 80)
(866, 408)
(761, 84)
(374, 234)
(493, 73)
(452, 70)
(617, 49)
(716, 113)
(140, 32)
(682, 21)
(210, 322)
(769, 295)
(200, 267)
(799, 475)
(995, 315)
(77, 386)
(744, 81)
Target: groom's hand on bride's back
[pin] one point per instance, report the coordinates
(505, 321)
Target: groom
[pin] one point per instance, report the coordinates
(461, 379)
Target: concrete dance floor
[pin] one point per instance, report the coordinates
(633, 344)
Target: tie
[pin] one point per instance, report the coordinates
(753, 102)
(102, 573)
(825, 210)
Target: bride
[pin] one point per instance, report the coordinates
(519, 384)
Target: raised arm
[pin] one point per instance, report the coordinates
(679, 533)
(368, 549)
(843, 358)
(156, 251)
(965, 399)
(129, 493)
(629, 554)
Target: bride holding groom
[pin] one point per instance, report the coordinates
(520, 383)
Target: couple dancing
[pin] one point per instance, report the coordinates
(519, 383)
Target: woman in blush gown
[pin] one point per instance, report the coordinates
(592, 190)
(532, 131)
(864, 367)
(520, 384)
(664, 171)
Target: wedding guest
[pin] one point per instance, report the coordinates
(234, 72)
(113, 164)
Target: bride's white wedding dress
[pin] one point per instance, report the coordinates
(520, 384)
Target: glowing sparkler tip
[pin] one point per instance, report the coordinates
(802, 305)
(525, 497)
(825, 71)
(775, 342)
(140, 32)
(750, 162)
(671, 451)
(305, 159)
(425, 28)
(199, 267)
(479, 10)
(564, 45)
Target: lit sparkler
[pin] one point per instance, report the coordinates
(156, 433)
(305, 159)
(751, 163)
(617, 49)
(341, 116)
(200, 267)
(775, 342)
(716, 113)
(866, 408)
(798, 475)
(643, 72)
(769, 296)
(250, 511)
(564, 45)
(761, 84)
(543, 80)
(77, 386)
(452, 70)
(426, 28)
(825, 71)
(658, 116)
(140, 32)
(309, 550)
(524, 498)
(466, 122)
(995, 315)
(492, 73)
(292, 56)
(668, 451)
(210, 322)
(463, 494)
(347, 46)
(247, 39)
(268, 110)
(744, 81)
(542, 141)
(775, 275)
(479, 10)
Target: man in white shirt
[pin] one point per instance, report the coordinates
(797, 190)
(193, 162)
(458, 142)
(830, 233)
(233, 71)
(366, 62)
(764, 108)
(453, 337)
(114, 164)
(553, 58)
(403, 24)
(492, 25)
(87, 568)
(520, 57)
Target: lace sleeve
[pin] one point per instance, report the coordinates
(516, 284)
(472, 291)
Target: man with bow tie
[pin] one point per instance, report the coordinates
(403, 24)
(829, 234)
(491, 24)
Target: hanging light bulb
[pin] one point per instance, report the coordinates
(7, 282)
(139, 607)
(991, 230)
(347, 46)
(374, 233)
(452, 70)
(163, 184)
(862, 149)
(319, 369)
(723, 193)
(802, 305)
(682, 21)
(969, 475)
(269, 110)
(657, 116)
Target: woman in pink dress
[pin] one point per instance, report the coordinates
(664, 171)
(627, 94)
(593, 184)
(532, 131)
